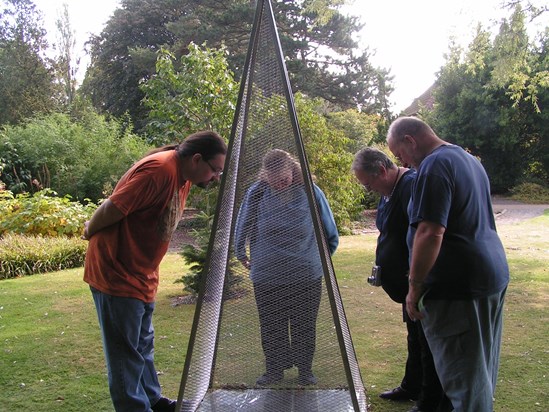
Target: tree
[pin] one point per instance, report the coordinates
(25, 79)
(361, 129)
(487, 101)
(124, 55)
(66, 63)
(533, 8)
(199, 93)
(322, 57)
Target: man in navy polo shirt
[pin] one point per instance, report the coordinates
(458, 271)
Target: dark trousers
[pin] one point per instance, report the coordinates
(413, 373)
(465, 338)
(420, 377)
(287, 318)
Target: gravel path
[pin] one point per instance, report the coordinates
(510, 211)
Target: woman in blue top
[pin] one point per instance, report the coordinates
(284, 263)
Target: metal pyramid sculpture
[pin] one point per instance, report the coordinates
(283, 318)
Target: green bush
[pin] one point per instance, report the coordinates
(42, 214)
(530, 193)
(27, 255)
(82, 157)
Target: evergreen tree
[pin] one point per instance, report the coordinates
(488, 100)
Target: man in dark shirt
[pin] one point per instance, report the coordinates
(377, 172)
(458, 272)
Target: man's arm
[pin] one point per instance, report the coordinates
(105, 215)
(427, 242)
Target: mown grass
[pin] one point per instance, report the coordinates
(51, 357)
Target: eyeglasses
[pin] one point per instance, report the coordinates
(216, 172)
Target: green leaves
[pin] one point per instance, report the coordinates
(40, 233)
(200, 94)
(43, 214)
(490, 100)
(330, 161)
(83, 157)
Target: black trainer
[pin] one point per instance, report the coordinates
(306, 379)
(269, 378)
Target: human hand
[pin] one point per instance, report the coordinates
(415, 291)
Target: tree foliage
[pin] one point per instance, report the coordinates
(198, 93)
(83, 158)
(25, 79)
(322, 57)
(201, 94)
(491, 100)
(124, 54)
(195, 256)
(362, 129)
(329, 160)
(533, 8)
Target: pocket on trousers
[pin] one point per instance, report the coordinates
(446, 318)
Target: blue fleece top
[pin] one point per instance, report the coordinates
(279, 228)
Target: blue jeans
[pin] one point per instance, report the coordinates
(128, 343)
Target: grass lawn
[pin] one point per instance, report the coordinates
(51, 357)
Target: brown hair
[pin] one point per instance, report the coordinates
(206, 143)
(276, 160)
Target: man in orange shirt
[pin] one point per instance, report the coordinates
(128, 235)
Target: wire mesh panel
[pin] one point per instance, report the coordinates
(270, 332)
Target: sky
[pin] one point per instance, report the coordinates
(409, 38)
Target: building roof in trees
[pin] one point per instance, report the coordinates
(426, 101)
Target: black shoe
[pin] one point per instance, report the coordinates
(164, 405)
(398, 394)
(307, 379)
(269, 378)
(415, 408)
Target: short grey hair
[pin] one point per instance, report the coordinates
(408, 125)
(370, 159)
